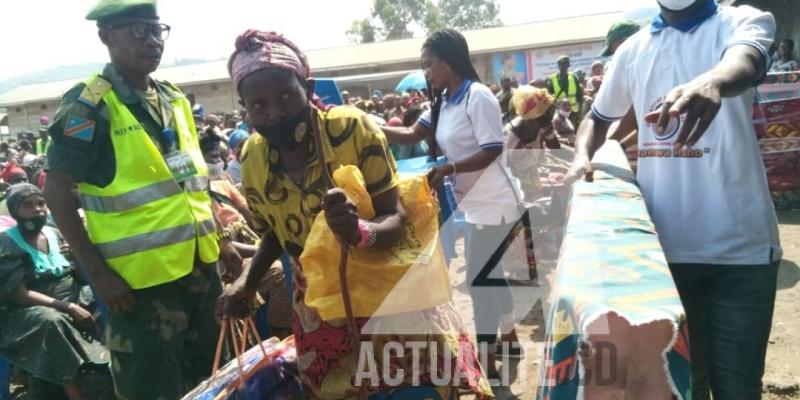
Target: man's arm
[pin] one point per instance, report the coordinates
(591, 136)
(741, 67)
(112, 290)
(624, 127)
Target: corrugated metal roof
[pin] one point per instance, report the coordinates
(538, 34)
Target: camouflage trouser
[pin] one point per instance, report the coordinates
(166, 345)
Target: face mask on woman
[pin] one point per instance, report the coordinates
(32, 225)
(216, 168)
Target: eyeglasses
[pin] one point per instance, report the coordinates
(141, 30)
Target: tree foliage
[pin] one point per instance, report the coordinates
(470, 14)
(397, 19)
(362, 31)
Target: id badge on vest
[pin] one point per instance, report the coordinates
(180, 163)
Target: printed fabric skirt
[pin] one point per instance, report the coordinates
(421, 355)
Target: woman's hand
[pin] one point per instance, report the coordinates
(232, 259)
(437, 174)
(342, 215)
(82, 318)
(66, 251)
(236, 301)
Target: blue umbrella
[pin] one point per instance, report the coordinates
(414, 80)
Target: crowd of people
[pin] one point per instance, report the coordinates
(147, 219)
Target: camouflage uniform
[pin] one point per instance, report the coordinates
(166, 345)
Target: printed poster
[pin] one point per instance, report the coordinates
(512, 64)
(542, 62)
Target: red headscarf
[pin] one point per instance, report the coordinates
(256, 50)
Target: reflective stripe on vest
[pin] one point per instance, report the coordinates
(149, 228)
(141, 196)
(163, 237)
(572, 90)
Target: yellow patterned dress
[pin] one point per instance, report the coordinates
(327, 358)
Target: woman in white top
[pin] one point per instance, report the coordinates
(465, 124)
(784, 62)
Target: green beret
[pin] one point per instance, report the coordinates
(620, 30)
(107, 10)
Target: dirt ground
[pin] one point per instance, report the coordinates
(782, 376)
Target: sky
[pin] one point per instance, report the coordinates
(42, 34)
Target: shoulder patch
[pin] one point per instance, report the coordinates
(94, 91)
(80, 128)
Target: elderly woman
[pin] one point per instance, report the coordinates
(47, 329)
(282, 177)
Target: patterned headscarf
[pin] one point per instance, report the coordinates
(530, 102)
(256, 50)
(17, 194)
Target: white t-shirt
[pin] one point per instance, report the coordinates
(235, 171)
(711, 205)
(470, 120)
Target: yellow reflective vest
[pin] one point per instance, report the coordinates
(147, 226)
(41, 147)
(572, 90)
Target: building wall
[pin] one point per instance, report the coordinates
(220, 96)
(23, 118)
(215, 97)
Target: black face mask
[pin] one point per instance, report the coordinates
(282, 135)
(31, 226)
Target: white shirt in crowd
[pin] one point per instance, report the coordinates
(471, 120)
(780, 66)
(235, 171)
(710, 205)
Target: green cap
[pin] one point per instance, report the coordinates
(620, 30)
(561, 59)
(107, 10)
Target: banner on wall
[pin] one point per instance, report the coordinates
(542, 62)
(512, 64)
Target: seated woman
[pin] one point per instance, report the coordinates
(784, 62)
(47, 329)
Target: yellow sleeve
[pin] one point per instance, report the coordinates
(374, 158)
